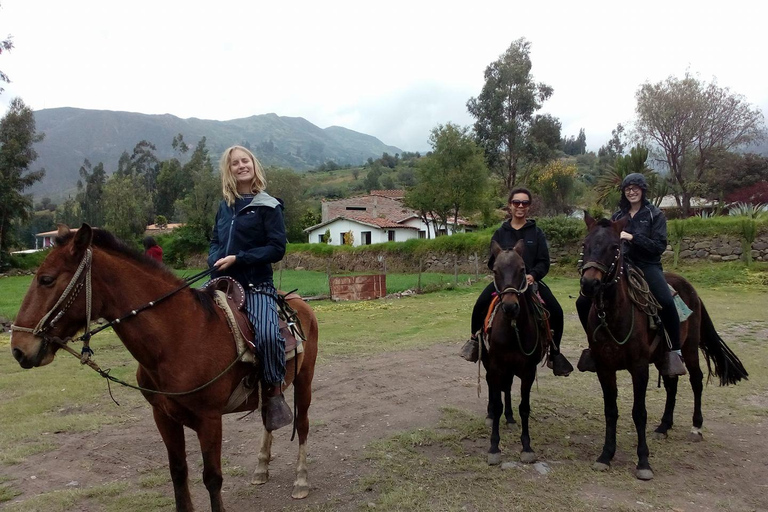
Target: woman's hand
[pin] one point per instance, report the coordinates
(626, 236)
(530, 279)
(225, 262)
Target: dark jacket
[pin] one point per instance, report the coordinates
(649, 234)
(255, 235)
(536, 254)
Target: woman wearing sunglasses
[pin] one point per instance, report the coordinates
(536, 257)
(644, 239)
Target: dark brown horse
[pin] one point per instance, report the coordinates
(620, 339)
(517, 343)
(181, 344)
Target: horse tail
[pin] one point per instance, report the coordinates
(727, 364)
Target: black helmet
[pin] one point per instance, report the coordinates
(636, 179)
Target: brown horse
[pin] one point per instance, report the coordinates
(181, 343)
(620, 339)
(517, 344)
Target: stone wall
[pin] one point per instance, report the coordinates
(714, 249)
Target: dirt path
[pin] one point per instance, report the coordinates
(355, 401)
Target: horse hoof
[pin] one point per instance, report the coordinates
(660, 435)
(494, 459)
(511, 424)
(300, 492)
(695, 437)
(260, 478)
(644, 474)
(599, 466)
(488, 422)
(528, 457)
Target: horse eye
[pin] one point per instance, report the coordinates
(46, 280)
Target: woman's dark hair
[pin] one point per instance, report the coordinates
(520, 190)
(148, 242)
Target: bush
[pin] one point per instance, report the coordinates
(27, 261)
(181, 244)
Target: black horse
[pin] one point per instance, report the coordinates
(620, 338)
(517, 342)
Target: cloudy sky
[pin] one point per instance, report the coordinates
(391, 69)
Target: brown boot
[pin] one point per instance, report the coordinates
(674, 366)
(470, 350)
(277, 413)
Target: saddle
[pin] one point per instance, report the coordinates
(229, 295)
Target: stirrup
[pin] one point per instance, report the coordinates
(674, 366)
(586, 363)
(471, 350)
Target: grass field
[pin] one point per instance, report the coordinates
(431, 464)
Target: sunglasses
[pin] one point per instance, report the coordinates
(517, 203)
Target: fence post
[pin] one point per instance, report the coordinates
(328, 276)
(477, 268)
(418, 283)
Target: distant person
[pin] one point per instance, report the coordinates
(248, 237)
(152, 250)
(536, 258)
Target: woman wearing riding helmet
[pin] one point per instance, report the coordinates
(645, 237)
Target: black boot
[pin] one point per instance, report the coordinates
(559, 364)
(586, 363)
(277, 414)
(471, 349)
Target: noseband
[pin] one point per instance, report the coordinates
(611, 274)
(511, 289)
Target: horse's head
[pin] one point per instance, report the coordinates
(602, 254)
(509, 276)
(54, 306)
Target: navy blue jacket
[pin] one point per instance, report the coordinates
(536, 254)
(649, 234)
(255, 235)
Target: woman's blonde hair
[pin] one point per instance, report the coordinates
(228, 181)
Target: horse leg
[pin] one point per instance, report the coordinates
(209, 435)
(494, 400)
(526, 382)
(172, 433)
(261, 475)
(667, 419)
(640, 417)
(509, 413)
(303, 398)
(611, 411)
(697, 385)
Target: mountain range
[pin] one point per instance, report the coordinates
(73, 135)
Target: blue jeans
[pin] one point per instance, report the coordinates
(261, 306)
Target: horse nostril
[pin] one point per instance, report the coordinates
(18, 355)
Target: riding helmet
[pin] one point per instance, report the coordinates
(636, 179)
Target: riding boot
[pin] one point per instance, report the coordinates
(277, 412)
(471, 349)
(557, 362)
(586, 363)
(675, 365)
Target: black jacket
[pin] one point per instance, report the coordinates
(536, 254)
(649, 234)
(255, 234)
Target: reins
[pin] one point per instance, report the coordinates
(82, 278)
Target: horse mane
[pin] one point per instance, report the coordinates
(604, 223)
(103, 239)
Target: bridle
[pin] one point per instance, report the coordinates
(510, 289)
(612, 274)
(82, 278)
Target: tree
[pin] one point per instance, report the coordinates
(5, 45)
(690, 121)
(609, 181)
(556, 185)
(127, 206)
(199, 204)
(504, 111)
(17, 137)
(452, 179)
(90, 192)
(172, 185)
(285, 184)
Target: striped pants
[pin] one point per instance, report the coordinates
(261, 306)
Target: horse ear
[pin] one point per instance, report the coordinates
(588, 220)
(62, 230)
(495, 248)
(520, 247)
(83, 239)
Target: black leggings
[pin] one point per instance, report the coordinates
(480, 310)
(654, 276)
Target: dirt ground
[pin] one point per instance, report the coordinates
(355, 401)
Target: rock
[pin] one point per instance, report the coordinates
(542, 468)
